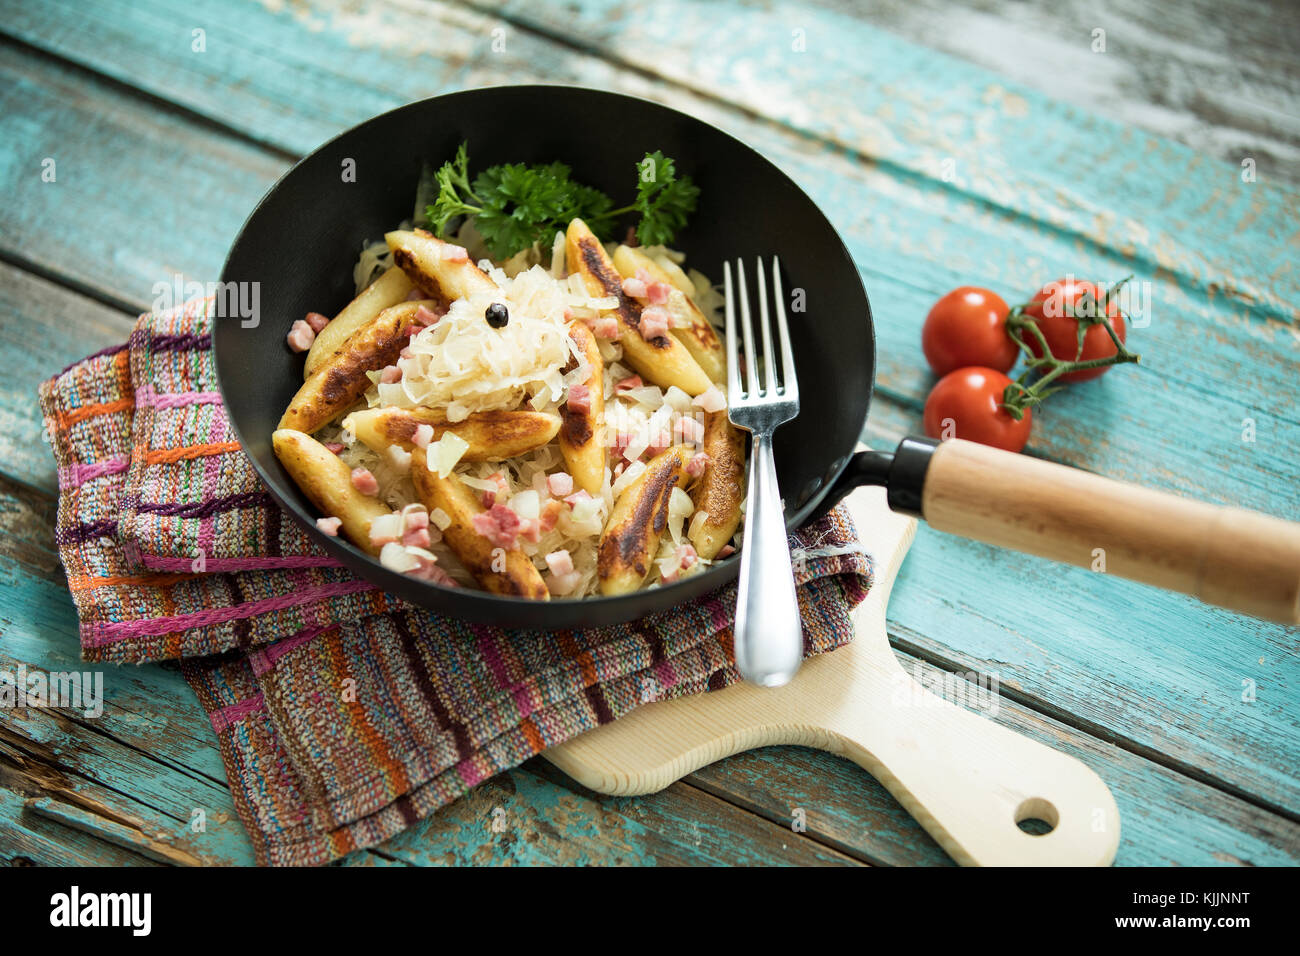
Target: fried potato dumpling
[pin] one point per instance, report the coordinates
(491, 435)
(441, 270)
(499, 570)
(663, 359)
(700, 338)
(341, 378)
(638, 521)
(327, 481)
(582, 432)
(388, 290)
(720, 491)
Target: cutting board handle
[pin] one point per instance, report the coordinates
(972, 783)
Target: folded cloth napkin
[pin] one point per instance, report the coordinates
(343, 714)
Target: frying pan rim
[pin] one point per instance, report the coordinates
(721, 573)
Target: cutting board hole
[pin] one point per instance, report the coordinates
(1037, 816)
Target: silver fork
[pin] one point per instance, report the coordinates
(768, 631)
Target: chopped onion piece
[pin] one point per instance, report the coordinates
(443, 454)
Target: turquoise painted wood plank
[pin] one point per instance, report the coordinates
(1210, 74)
(30, 840)
(524, 818)
(91, 226)
(1017, 596)
(29, 306)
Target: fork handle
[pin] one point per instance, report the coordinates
(768, 632)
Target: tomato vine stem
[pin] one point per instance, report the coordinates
(1043, 368)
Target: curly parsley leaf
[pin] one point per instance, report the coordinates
(515, 204)
(454, 193)
(663, 200)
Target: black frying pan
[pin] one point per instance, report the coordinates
(302, 240)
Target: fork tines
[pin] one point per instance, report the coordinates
(749, 390)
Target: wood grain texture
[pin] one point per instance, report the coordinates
(1095, 197)
(1217, 76)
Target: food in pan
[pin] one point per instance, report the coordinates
(526, 407)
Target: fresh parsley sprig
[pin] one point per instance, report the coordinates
(515, 205)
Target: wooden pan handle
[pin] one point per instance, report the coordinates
(1230, 557)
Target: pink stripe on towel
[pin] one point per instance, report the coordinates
(70, 478)
(222, 719)
(146, 397)
(100, 633)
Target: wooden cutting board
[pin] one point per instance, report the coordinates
(966, 780)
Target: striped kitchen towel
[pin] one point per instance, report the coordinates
(343, 714)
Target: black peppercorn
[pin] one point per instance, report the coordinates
(497, 315)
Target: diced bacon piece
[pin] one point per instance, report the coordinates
(414, 517)
(695, 467)
(710, 400)
(560, 562)
(579, 399)
(605, 327)
(301, 336)
(416, 537)
(684, 559)
(658, 444)
(422, 436)
(317, 321)
(551, 514)
(577, 497)
(427, 570)
(636, 288)
(499, 524)
(390, 374)
(687, 555)
(329, 525)
(364, 481)
(426, 316)
(530, 529)
(654, 322)
(629, 383)
(560, 484)
(503, 490)
(689, 430)
(644, 275)
(335, 446)
(727, 551)
(657, 292)
(452, 253)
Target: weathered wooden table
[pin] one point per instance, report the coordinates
(992, 144)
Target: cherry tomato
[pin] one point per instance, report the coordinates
(968, 327)
(967, 404)
(1048, 309)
